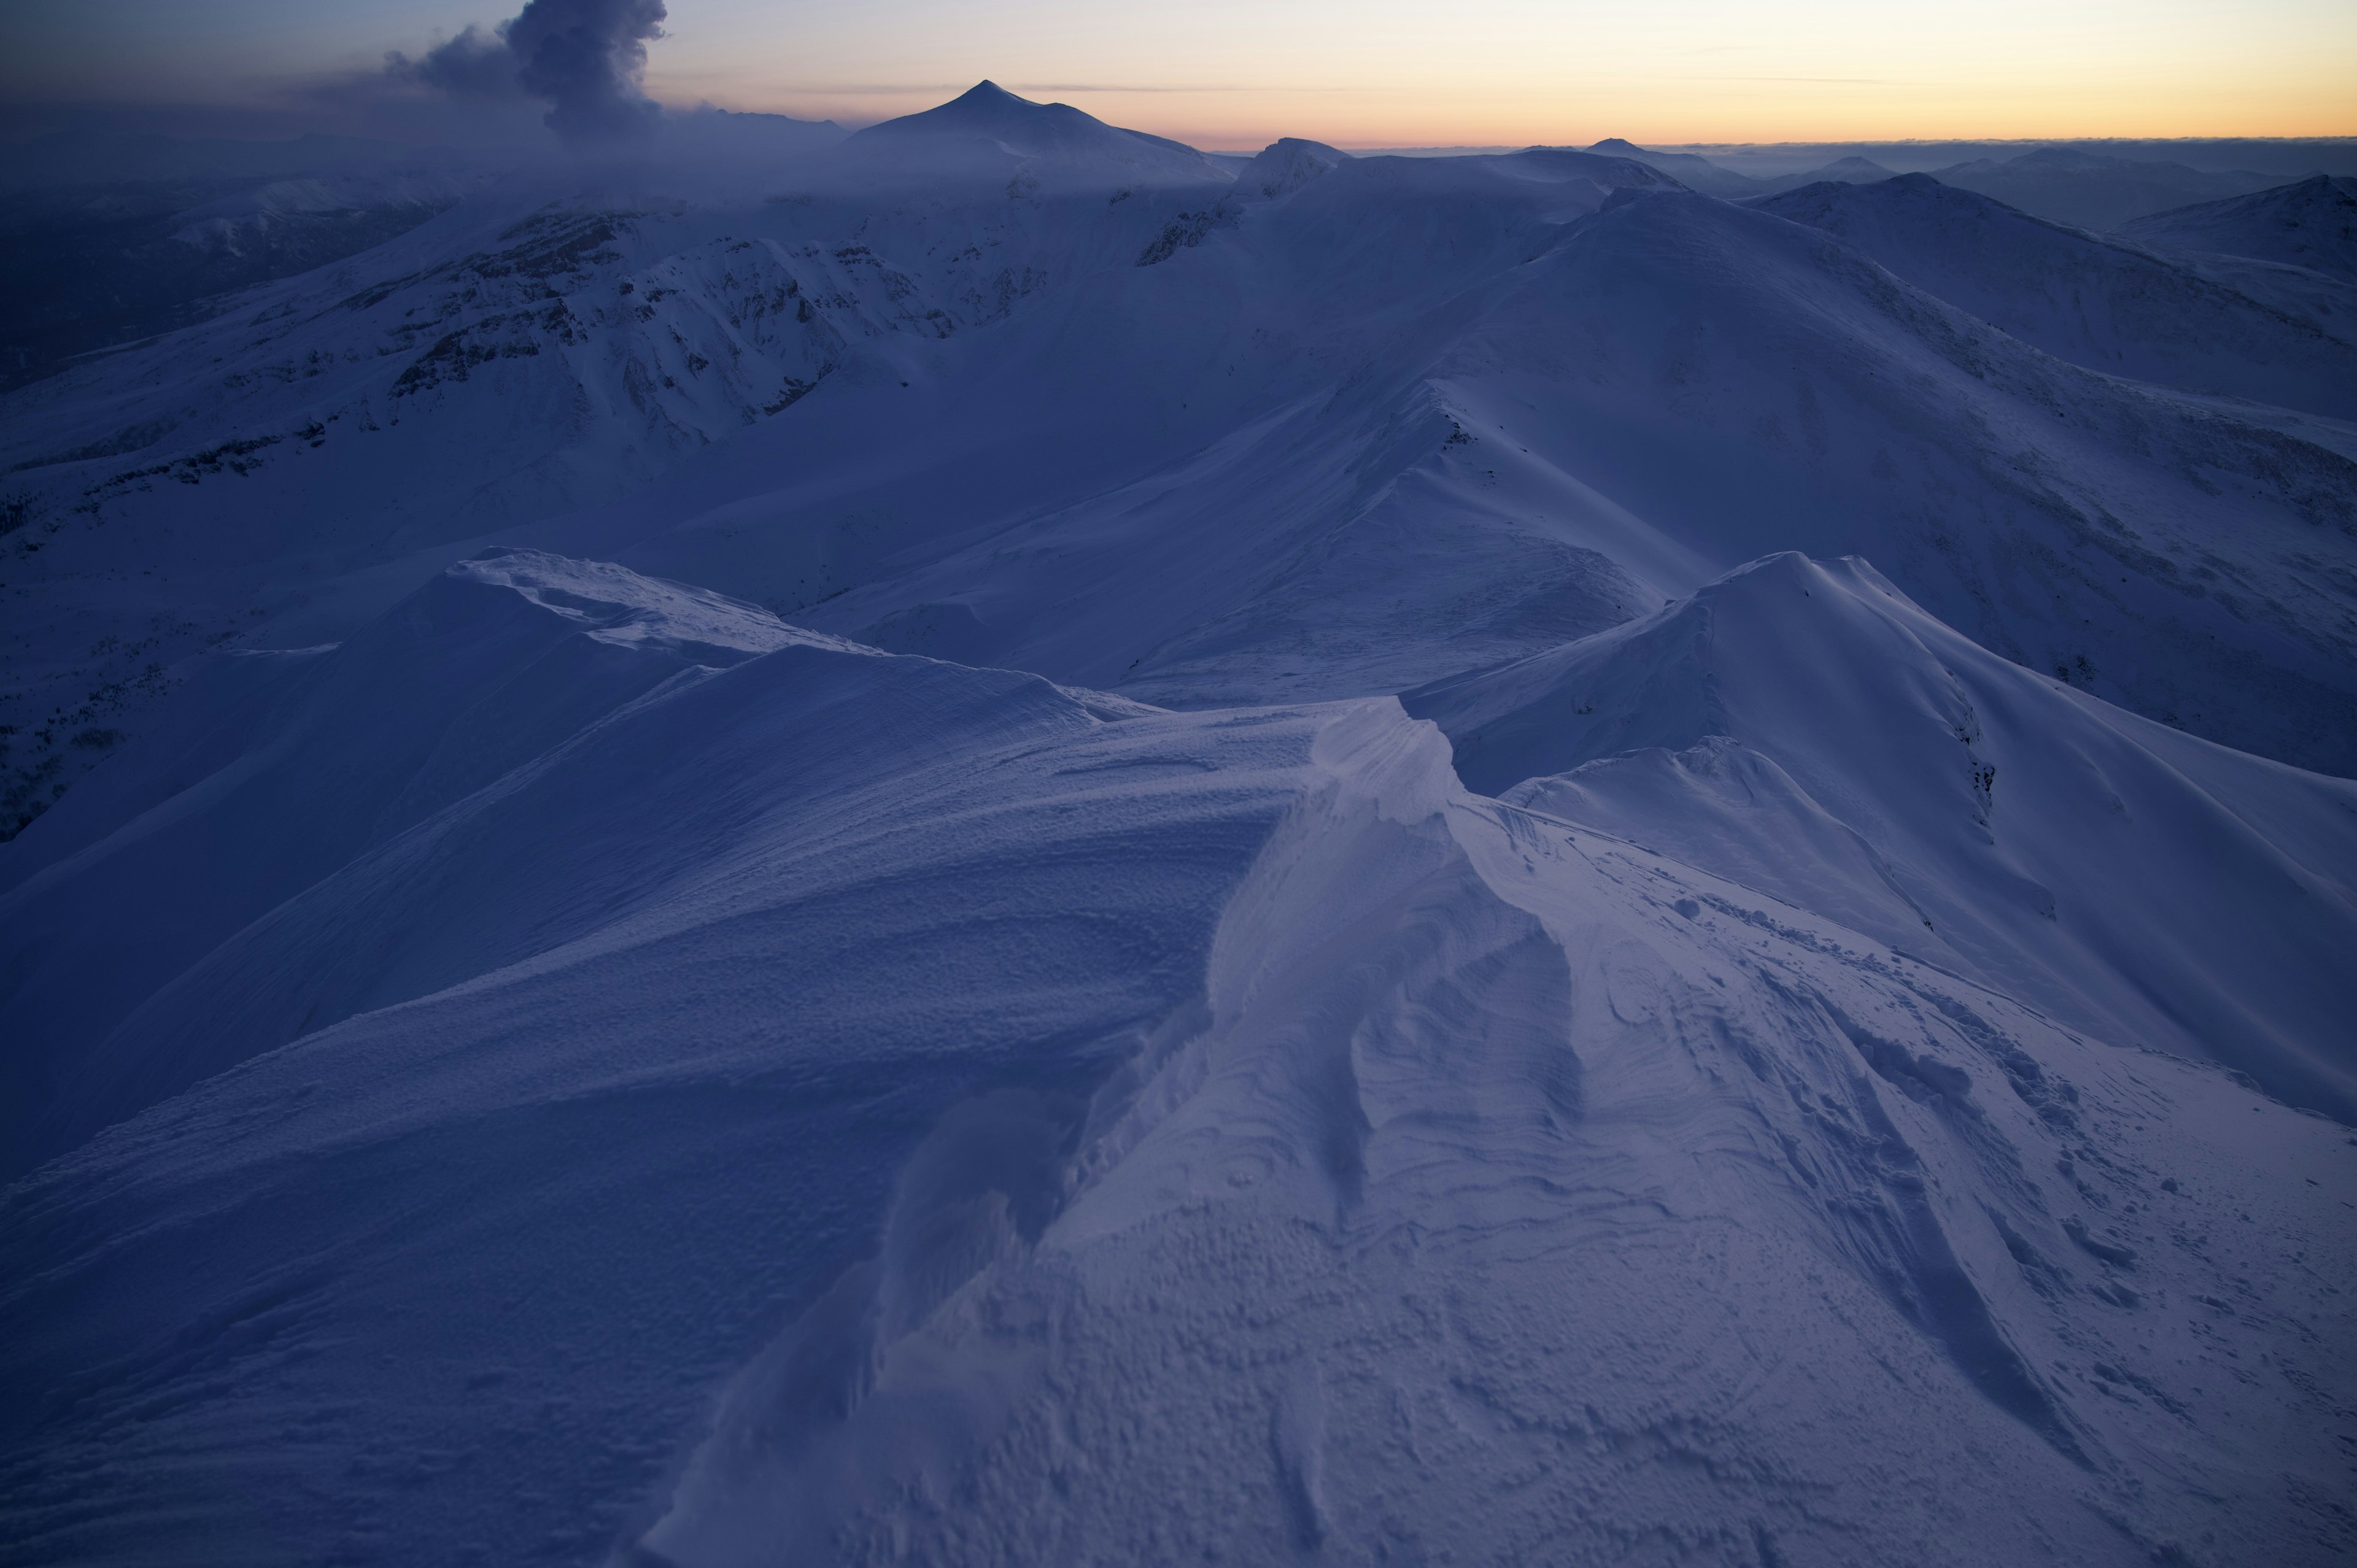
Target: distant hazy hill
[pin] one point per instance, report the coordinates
(2093, 191)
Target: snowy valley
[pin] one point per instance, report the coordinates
(993, 841)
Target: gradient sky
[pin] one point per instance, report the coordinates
(1371, 72)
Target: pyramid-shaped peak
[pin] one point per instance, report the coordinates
(989, 123)
(987, 91)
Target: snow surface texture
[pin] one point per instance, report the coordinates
(1277, 895)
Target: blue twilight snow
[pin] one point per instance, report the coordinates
(1003, 845)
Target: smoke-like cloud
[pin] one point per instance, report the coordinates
(583, 58)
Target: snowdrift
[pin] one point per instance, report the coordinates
(964, 1120)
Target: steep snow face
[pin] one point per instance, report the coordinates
(1803, 728)
(2108, 306)
(832, 1106)
(2311, 224)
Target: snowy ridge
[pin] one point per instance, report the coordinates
(2311, 224)
(993, 843)
(1803, 391)
(2103, 304)
(1404, 384)
(1801, 727)
(499, 661)
(956, 1077)
(739, 418)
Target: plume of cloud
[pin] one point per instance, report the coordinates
(583, 58)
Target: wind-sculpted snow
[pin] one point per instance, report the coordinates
(1806, 730)
(748, 885)
(816, 1105)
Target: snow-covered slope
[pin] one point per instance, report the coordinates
(1439, 414)
(750, 886)
(2311, 224)
(1731, 378)
(1202, 475)
(550, 342)
(792, 1103)
(2109, 306)
(1802, 728)
(323, 754)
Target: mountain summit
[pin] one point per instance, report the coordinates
(2311, 224)
(987, 119)
(1688, 168)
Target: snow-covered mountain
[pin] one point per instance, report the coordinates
(1564, 418)
(1284, 166)
(552, 341)
(90, 267)
(2310, 225)
(990, 843)
(916, 1054)
(1801, 728)
(2105, 303)
(1045, 140)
